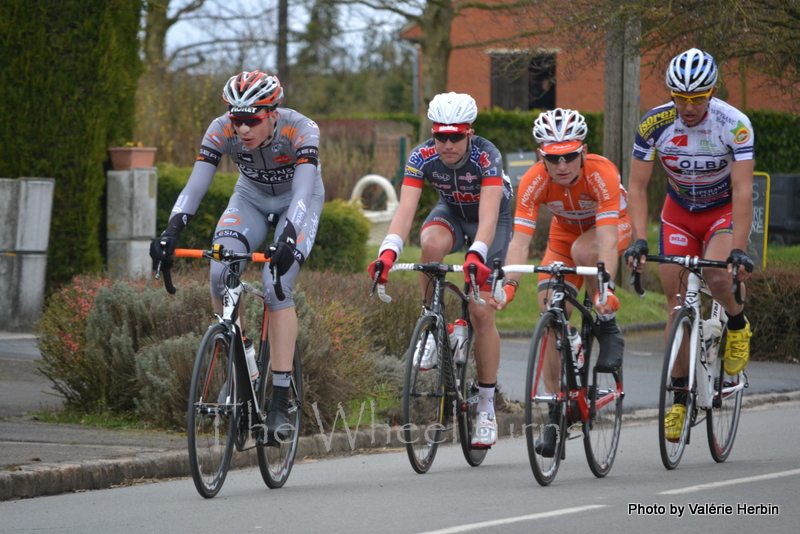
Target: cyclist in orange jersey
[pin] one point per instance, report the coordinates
(590, 224)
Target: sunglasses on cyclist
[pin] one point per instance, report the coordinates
(696, 99)
(555, 159)
(453, 138)
(249, 121)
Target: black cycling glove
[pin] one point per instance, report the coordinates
(164, 253)
(637, 250)
(739, 257)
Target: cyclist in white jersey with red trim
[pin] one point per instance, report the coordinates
(280, 186)
(706, 149)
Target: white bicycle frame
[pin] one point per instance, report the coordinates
(701, 350)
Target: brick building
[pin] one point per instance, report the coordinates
(535, 73)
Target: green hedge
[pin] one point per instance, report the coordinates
(68, 70)
(341, 239)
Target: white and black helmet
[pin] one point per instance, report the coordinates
(693, 70)
(452, 108)
(559, 125)
(248, 90)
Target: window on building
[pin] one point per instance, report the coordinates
(523, 81)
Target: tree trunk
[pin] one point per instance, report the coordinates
(435, 44)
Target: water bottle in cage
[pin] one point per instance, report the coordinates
(458, 333)
(712, 331)
(577, 346)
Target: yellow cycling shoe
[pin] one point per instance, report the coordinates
(673, 422)
(737, 349)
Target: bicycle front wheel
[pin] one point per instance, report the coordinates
(423, 397)
(212, 412)
(722, 420)
(276, 460)
(672, 441)
(601, 432)
(545, 407)
(467, 377)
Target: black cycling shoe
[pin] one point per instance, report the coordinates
(611, 347)
(279, 427)
(546, 445)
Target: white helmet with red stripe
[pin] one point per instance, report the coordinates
(449, 109)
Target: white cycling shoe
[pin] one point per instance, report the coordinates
(428, 359)
(485, 431)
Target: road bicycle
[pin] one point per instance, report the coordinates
(226, 408)
(699, 330)
(438, 399)
(586, 403)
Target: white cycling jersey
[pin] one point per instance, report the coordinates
(696, 159)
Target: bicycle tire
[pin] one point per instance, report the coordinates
(212, 412)
(423, 398)
(467, 377)
(601, 432)
(722, 421)
(680, 334)
(539, 401)
(275, 462)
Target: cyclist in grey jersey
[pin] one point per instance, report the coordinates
(280, 185)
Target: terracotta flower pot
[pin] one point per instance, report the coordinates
(124, 158)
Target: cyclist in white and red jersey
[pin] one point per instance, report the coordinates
(706, 149)
(280, 185)
(473, 209)
(590, 224)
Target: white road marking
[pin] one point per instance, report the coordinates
(508, 521)
(701, 487)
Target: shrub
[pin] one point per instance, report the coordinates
(341, 240)
(773, 298)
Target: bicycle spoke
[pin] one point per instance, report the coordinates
(722, 420)
(212, 413)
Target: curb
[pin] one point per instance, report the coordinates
(52, 479)
(626, 328)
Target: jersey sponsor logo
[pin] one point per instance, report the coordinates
(679, 140)
(653, 122)
(469, 177)
(521, 221)
(678, 239)
(268, 176)
(741, 134)
(216, 139)
(484, 160)
(427, 153)
(230, 220)
(283, 159)
(289, 131)
(466, 197)
(246, 158)
(692, 166)
(227, 233)
(209, 156)
(586, 204)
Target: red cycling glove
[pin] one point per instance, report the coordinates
(387, 257)
(483, 272)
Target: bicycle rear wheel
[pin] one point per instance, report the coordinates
(680, 338)
(722, 420)
(601, 432)
(212, 412)
(467, 376)
(275, 462)
(545, 364)
(423, 397)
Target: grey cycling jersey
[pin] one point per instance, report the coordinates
(289, 165)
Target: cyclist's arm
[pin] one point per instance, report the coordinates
(488, 213)
(607, 237)
(742, 201)
(639, 178)
(189, 200)
(742, 206)
(518, 251)
(404, 217)
(305, 175)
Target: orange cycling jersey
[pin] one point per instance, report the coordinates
(597, 198)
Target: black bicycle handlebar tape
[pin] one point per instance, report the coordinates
(378, 271)
(168, 281)
(276, 278)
